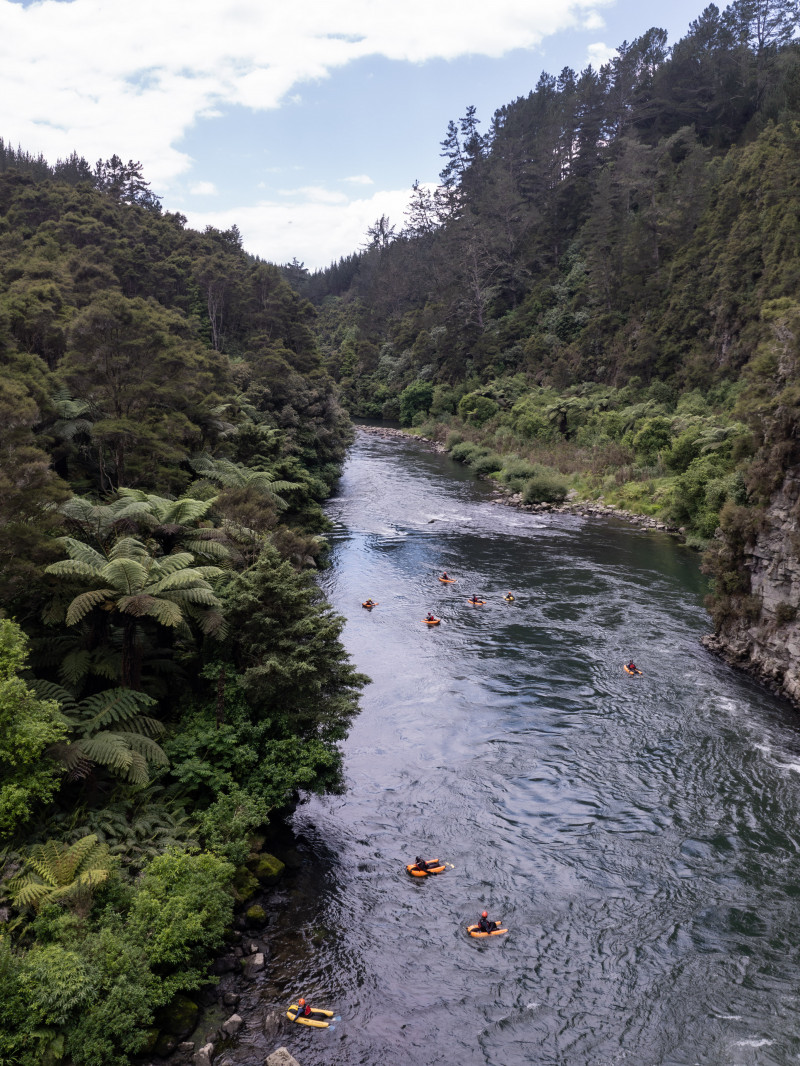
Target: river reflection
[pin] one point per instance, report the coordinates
(637, 835)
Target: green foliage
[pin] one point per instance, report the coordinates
(546, 486)
(477, 408)
(654, 435)
(467, 452)
(28, 728)
(175, 385)
(515, 472)
(487, 464)
(416, 397)
(182, 907)
(229, 821)
(58, 872)
(108, 729)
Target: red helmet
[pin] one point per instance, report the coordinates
(484, 914)
(302, 1002)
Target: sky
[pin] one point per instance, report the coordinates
(300, 121)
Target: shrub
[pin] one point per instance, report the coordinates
(182, 907)
(516, 472)
(546, 486)
(487, 464)
(654, 435)
(466, 452)
(784, 613)
(476, 408)
(418, 396)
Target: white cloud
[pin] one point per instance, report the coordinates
(203, 188)
(312, 229)
(101, 77)
(360, 179)
(598, 54)
(316, 194)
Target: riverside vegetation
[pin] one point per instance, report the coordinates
(169, 673)
(601, 293)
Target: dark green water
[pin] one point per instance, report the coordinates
(639, 837)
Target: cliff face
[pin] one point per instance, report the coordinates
(765, 640)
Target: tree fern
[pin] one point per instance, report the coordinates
(60, 872)
(134, 584)
(107, 729)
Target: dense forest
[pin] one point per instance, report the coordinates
(599, 298)
(169, 674)
(601, 295)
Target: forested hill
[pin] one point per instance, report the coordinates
(169, 672)
(626, 221)
(601, 297)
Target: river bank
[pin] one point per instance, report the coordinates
(586, 508)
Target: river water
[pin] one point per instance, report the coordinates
(638, 836)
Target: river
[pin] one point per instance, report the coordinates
(638, 836)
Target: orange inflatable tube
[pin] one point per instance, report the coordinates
(431, 621)
(632, 673)
(448, 580)
(369, 606)
(477, 603)
(439, 868)
(474, 931)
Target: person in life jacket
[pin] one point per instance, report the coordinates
(634, 669)
(445, 576)
(430, 618)
(303, 1009)
(484, 925)
(474, 599)
(421, 864)
(369, 603)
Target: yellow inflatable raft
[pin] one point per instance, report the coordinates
(477, 603)
(509, 598)
(632, 673)
(448, 580)
(309, 1021)
(474, 931)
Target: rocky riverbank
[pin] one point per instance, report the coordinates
(241, 1016)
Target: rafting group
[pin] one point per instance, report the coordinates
(425, 867)
(302, 1012)
(430, 619)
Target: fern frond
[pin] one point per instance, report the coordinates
(150, 751)
(75, 666)
(48, 690)
(170, 564)
(198, 596)
(183, 579)
(81, 552)
(73, 568)
(113, 705)
(165, 612)
(86, 602)
(126, 574)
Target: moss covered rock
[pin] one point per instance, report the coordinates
(267, 868)
(244, 884)
(256, 915)
(179, 1019)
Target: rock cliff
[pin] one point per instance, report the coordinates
(763, 636)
